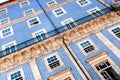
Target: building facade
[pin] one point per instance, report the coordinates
(59, 40)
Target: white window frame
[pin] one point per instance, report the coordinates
(11, 29)
(13, 71)
(4, 19)
(41, 30)
(92, 43)
(58, 58)
(110, 31)
(23, 2)
(95, 8)
(64, 12)
(24, 12)
(68, 20)
(35, 24)
(51, 1)
(7, 44)
(95, 60)
(5, 11)
(88, 2)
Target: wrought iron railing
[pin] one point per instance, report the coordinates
(52, 33)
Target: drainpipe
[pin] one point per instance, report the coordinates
(47, 16)
(75, 59)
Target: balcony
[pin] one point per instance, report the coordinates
(52, 33)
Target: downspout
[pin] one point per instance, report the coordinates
(48, 17)
(75, 59)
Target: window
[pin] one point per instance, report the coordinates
(95, 12)
(33, 21)
(87, 46)
(83, 2)
(29, 11)
(53, 62)
(115, 31)
(63, 75)
(104, 66)
(9, 47)
(16, 75)
(6, 32)
(59, 12)
(4, 21)
(107, 71)
(40, 35)
(24, 3)
(51, 3)
(3, 11)
(68, 23)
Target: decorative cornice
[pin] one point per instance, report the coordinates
(35, 14)
(26, 54)
(37, 50)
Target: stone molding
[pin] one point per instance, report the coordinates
(37, 50)
(96, 56)
(62, 75)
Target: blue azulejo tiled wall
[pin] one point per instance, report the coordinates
(113, 38)
(83, 58)
(67, 64)
(26, 71)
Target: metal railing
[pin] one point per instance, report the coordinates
(53, 33)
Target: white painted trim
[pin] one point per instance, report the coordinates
(68, 20)
(24, 12)
(93, 9)
(35, 70)
(4, 19)
(92, 43)
(109, 44)
(51, 1)
(4, 45)
(88, 2)
(23, 2)
(113, 27)
(63, 22)
(58, 58)
(35, 24)
(13, 71)
(64, 12)
(11, 29)
(5, 10)
(101, 59)
(33, 34)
